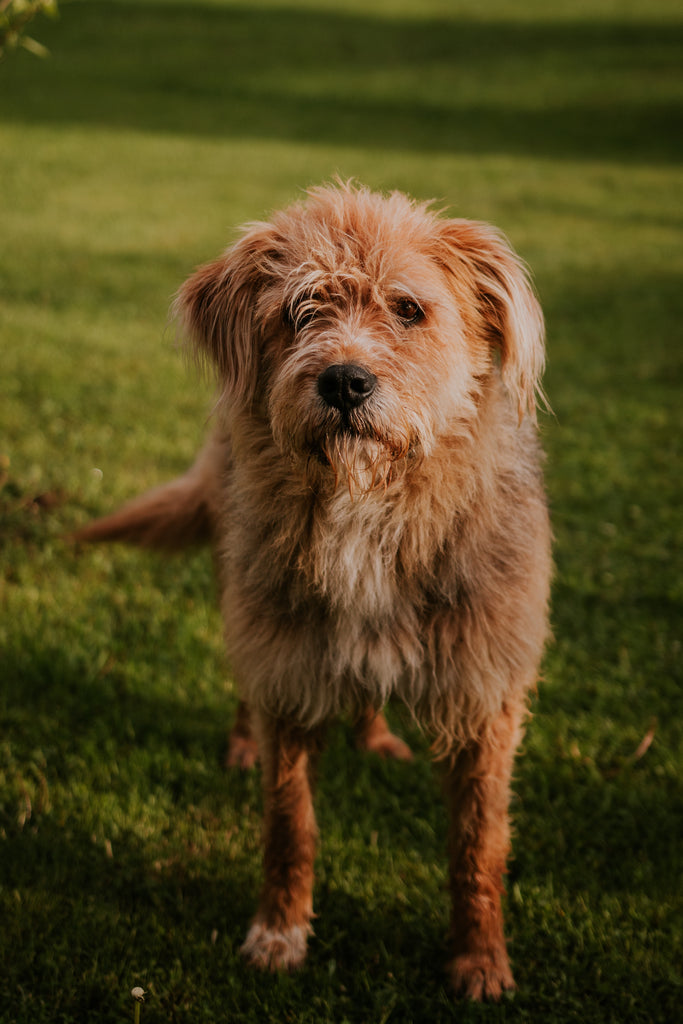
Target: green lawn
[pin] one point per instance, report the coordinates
(128, 855)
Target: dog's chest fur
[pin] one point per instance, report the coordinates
(332, 600)
(333, 587)
(332, 554)
(354, 559)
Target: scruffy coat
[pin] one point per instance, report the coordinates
(373, 491)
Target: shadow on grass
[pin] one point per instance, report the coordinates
(576, 88)
(90, 924)
(132, 860)
(169, 907)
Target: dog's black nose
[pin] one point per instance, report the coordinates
(346, 386)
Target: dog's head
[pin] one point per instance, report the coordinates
(365, 328)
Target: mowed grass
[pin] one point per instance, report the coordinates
(128, 854)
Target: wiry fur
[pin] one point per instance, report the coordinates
(399, 547)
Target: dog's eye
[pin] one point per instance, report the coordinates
(289, 316)
(300, 314)
(407, 310)
(304, 317)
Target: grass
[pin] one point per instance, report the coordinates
(128, 856)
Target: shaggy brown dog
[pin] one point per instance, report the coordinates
(373, 490)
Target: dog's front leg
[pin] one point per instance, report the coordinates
(478, 793)
(278, 935)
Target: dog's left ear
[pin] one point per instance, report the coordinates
(506, 303)
(218, 308)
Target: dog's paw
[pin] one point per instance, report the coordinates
(275, 949)
(387, 745)
(242, 752)
(481, 976)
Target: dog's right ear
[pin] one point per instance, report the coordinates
(218, 308)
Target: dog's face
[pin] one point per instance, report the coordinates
(365, 329)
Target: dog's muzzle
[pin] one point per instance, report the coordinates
(346, 386)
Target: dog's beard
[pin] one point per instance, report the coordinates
(362, 463)
(362, 449)
(348, 451)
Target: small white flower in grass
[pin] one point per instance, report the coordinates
(138, 995)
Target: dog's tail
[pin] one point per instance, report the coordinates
(173, 516)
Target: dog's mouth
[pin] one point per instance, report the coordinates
(361, 457)
(350, 424)
(362, 442)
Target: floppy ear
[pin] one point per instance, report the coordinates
(506, 302)
(217, 307)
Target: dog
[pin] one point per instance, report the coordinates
(372, 488)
